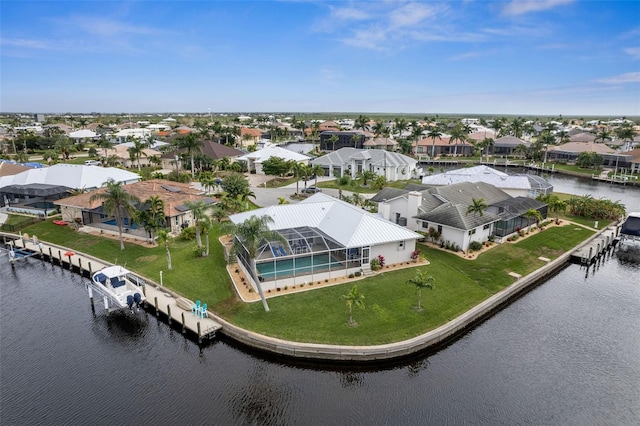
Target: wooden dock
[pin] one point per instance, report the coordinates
(596, 247)
(160, 299)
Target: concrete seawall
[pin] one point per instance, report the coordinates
(404, 348)
(431, 339)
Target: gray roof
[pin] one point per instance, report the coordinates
(376, 157)
(455, 215)
(509, 141)
(388, 193)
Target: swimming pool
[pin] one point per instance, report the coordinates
(305, 265)
(42, 205)
(125, 223)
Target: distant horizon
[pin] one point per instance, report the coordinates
(516, 57)
(344, 113)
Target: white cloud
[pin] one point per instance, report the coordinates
(521, 7)
(349, 14)
(634, 52)
(25, 43)
(411, 14)
(630, 77)
(108, 27)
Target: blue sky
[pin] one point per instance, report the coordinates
(542, 57)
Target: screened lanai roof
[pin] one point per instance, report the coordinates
(298, 241)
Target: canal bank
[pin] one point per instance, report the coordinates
(342, 353)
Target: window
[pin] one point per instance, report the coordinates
(472, 231)
(401, 245)
(425, 225)
(440, 229)
(487, 226)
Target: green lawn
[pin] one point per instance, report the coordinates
(321, 315)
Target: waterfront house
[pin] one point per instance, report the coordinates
(444, 208)
(324, 238)
(79, 208)
(351, 161)
(255, 159)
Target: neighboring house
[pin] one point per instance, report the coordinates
(31, 191)
(173, 194)
(507, 145)
(518, 185)
(347, 139)
(325, 238)
(441, 146)
(249, 136)
(444, 208)
(125, 135)
(351, 161)
(569, 153)
(210, 149)
(121, 151)
(255, 159)
(9, 168)
(386, 144)
(583, 137)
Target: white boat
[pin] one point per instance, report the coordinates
(629, 240)
(118, 286)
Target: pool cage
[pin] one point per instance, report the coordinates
(305, 255)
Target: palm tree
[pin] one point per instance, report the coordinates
(478, 207)
(164, 237)
(137, 150)
(154, 217)
(603, 135)
(105, 144)
(250, 235)
(353, 298)
(192, 144)
(332, 140)
(317, 170)
(458, 134)
(64, 146)
(379, 129)
(532, 214)
(361, 122)
(421, 280)
(516, 127)
(556, 205)
(400, 125)
(117, 202)
(205, 226)
(218, 212)
(486, 143)
(199, 211)
(434, 134)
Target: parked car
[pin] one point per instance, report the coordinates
(311, 190)
(92, 163)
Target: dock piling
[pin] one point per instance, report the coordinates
(184, 326)
(106, 305)
(156, 304)
(169, 313)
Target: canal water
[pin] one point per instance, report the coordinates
(567, 352)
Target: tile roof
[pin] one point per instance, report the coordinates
(174, 194)
(599, 148)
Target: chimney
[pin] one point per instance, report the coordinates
(414, 201)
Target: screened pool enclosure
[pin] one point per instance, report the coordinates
(304, 255)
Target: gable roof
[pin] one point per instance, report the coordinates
(577, 147)
(347, 224)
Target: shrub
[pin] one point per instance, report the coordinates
(375, 264)
(381, 260)
(475, 245)
(188, 233)
(358, 273)
(286, 287)
(415, 254)
(351, 276)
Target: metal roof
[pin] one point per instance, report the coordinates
(347, 224)
(71, 175)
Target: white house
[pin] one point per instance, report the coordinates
(324, 238)
(444, 208)
(392, 165)
(255, 159)
(514, 185)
